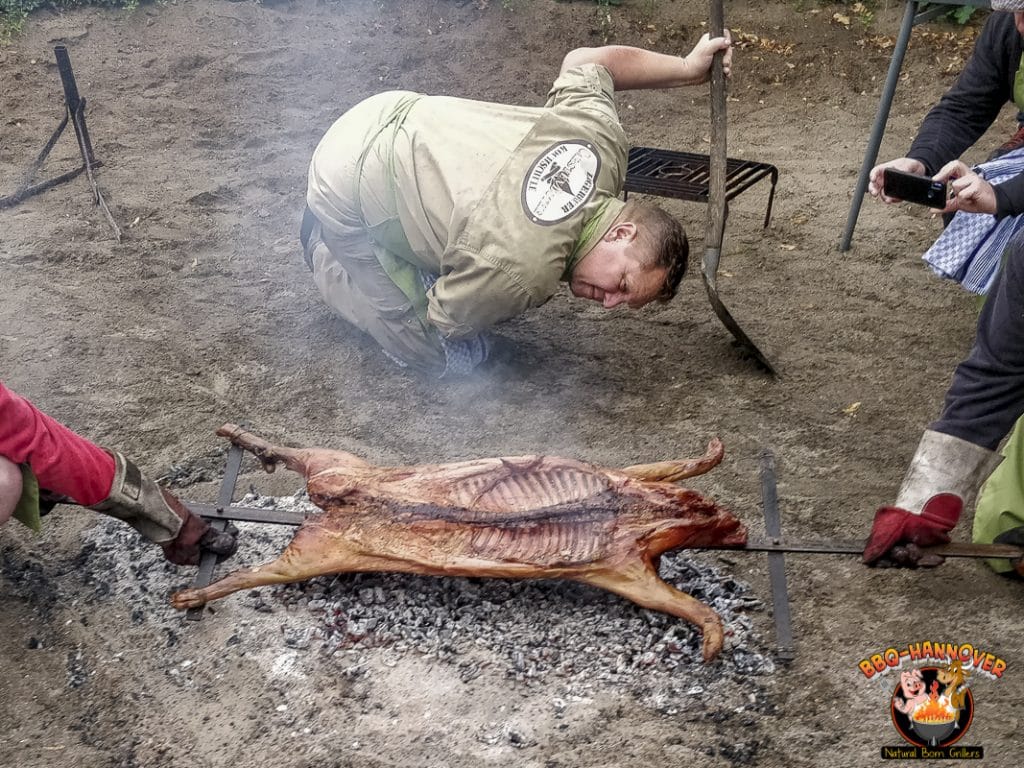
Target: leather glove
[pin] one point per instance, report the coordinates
(1014, 536)
(195, 536)
(162, 518)
(898, 534)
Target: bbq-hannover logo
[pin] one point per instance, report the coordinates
(560, 181)
(931, 704)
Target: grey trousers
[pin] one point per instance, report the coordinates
(353, 284)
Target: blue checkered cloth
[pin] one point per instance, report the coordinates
(971, 248)
(461, 355)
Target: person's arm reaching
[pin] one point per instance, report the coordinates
(636, 68)
(969, 108)
(964, 113)
(65, 463)
(970, 192)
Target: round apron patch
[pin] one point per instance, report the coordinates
(560, 182)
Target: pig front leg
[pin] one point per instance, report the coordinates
(641, 584)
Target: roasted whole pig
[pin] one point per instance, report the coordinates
(513, 517)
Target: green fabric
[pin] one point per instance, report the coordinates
(392, 250)
(587, 236)
(1018, 85)
(1000, 504)
(27, 511)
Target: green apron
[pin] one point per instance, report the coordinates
(1000, 504)
(1018, 86)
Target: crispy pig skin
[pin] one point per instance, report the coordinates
(512, 517)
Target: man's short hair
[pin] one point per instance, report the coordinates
(663, 237)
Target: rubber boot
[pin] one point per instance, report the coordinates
(944, 464)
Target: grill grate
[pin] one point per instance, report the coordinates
(687, 176)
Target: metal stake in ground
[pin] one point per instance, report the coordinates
(776, 560)
(75, 112)
(716, 195)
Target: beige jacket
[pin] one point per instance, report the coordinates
(498, 201)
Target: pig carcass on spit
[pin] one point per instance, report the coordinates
(511, 517)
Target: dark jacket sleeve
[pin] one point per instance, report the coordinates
(1010, 197)
(969, 108)
(987, 394)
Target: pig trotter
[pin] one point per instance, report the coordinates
(188, 598)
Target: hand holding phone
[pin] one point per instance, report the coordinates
(913, 188)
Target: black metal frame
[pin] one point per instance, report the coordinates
(687, 176)
(75, 114)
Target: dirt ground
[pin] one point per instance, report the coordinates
(204, 115)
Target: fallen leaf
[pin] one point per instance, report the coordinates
(841, 19)
(787, 247)
(851, 409)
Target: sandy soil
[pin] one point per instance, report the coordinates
(204, 115)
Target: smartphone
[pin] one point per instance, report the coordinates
(915, 189)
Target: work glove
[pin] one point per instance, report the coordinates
(897, 535)
(944, 473)
(196, 536)
(162, 518)
(1014, 536)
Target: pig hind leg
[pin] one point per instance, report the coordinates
(642, 585)
(673, 471)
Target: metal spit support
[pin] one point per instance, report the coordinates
(223, 512)
(227, 492)
(776, 560)
(75, 113)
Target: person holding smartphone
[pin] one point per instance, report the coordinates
(957, 454)
(992, 78)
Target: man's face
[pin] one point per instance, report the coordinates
(614, 272)
(1018, 17)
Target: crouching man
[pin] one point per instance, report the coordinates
(430, 219)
